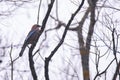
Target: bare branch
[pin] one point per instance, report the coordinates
(39, 11)
(11, 63)
(98, 74)
(62, 40)
(31, 62)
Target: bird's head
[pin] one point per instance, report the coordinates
(36, 26)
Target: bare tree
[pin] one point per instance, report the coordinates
(91, 34)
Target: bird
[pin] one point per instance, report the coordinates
(31, 37)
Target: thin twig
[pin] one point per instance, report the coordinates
(11, 62)
(39, 11)
(99, 74)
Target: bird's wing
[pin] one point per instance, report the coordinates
(30, 34)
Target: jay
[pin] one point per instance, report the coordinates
(31, 37)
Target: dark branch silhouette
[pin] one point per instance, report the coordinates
(47, 59)
(33, 46)
(31, 63)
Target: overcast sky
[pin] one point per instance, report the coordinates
(16, 26)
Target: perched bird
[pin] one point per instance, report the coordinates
(31, 37)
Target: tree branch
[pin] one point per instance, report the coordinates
(39, 11)
(114, 53)
(62, 40)
(11, 62)
(92, 4)
(98, 74)
(31, 62)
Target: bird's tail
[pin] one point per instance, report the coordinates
(22, 50)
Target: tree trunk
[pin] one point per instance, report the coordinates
(85, 48)
(85, 63)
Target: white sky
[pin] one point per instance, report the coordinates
(15, 28)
